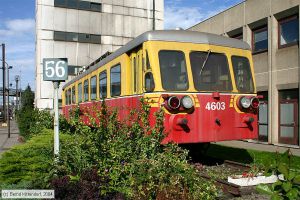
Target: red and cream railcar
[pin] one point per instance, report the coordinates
(204, 82)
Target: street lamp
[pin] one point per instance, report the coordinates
(8, 110)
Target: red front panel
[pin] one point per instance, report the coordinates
(213, 119)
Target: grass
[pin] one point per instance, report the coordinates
(246, 155)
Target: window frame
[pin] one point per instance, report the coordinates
(282, 21)
(90, 93)
(111, 93)
(100, 93)
(258, 30)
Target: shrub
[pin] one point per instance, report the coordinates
(29, 164)
(32, 121)
(129, 157)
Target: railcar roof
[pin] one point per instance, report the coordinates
(169, 36)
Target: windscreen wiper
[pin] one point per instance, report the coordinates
(204, 63)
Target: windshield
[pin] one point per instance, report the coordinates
(214, 75)
(173, 70)
(242, 74)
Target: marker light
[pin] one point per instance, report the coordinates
(173, 102)
(187, 102)
(254, 102)
(245, 102)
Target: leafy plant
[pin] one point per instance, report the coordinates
(289, 186)
(128, 156)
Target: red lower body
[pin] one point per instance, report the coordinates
(201, 125)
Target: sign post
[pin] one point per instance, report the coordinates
(55, 70)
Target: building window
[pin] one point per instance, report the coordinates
(73, 70)
(77, 37)
(79, 92)
(80, 5)
(71, 37)
(86, 90)
(59, 36)
(85, 38)
(60, 3)
(115, 80)
(96, 39)
(93, 87)
(96, 7)
(103, 85)
(260, 40)
(238, 36)
(288, 31)
(263, 117)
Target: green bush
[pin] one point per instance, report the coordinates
(129, 155)
(29, 164)
(32, 121)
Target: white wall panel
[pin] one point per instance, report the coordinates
(71, 52)
(83, 22)
(59, 14)
(95, 23)
(47, 17)
(72, 20)
(59, 50)
(83, 54)
(107, 8)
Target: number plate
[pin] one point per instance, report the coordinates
(55, 69)
(215, 106)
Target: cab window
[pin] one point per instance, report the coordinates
(173, 70)
(210, 71)
(242, 74)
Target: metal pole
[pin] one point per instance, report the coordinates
(17, 81)
(3, 88)
(153, 16)
(56, 121)
(8, 115)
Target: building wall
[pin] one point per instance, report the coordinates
(117, 23)
(275, 69)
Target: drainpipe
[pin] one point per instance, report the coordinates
(153, 16)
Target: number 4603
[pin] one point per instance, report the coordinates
(215, 106)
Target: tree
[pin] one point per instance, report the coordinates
(27, 98)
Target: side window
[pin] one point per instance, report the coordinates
(79, 92)
(73, 95)
(115, 80)
(86, 90)
(242, 74)
(147, 61)
(103, 85)
(93, 87)
(69, 96)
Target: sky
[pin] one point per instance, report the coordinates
(17, 29)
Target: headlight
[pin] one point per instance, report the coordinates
(245, 102)
(173, 102)
(187, 102)
(254, 102)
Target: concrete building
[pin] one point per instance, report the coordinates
(271, 27)
(83, 30)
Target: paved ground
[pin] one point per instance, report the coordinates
(259, 146)
(5, 142)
